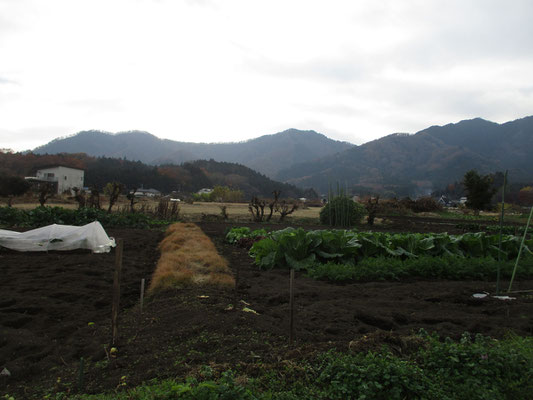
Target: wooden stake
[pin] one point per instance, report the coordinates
(291, 307)
(500, 235)
(142, 294)
(80, 376)
(116, 290)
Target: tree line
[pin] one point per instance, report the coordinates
(185, 178)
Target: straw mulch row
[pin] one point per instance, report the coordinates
(189, 258)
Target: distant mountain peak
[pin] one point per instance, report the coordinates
(266, 154)
(401, 164)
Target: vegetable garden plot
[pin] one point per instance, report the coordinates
(345, 255)
(55, 306)
(181, 330)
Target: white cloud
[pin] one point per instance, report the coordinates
(214, 70)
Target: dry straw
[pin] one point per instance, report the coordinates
(189, 258)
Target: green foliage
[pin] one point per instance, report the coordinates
(192, 389)
(503, 368)
(374, 375)
(221, 194)
(42, 216)
(13, 185)
(226, 194)
(10, 216)
(342, 211)
(506, 229)
(300, 249)
(470, 369)
(479, 190)
(447, 267)
(238, 233)
(205, 197)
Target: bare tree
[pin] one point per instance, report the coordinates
(131, 197)
(257, 208)
(46, 190)
(285, 208)
(94, 198)
(113, 190)
(372, 208)
(273, 203)
(79, 196)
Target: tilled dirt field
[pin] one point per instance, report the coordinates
(48, 300)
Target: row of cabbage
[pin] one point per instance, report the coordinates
(301, 249)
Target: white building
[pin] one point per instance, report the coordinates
(66, 177)
(204, 191)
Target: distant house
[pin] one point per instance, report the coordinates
(62, 178)
(204, 191)
(443, 201)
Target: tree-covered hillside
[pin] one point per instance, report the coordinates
(416, 164)
(266, 154)
(188, 177)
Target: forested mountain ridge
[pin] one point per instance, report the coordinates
(415, 164)
(186, 178)
(266, 154)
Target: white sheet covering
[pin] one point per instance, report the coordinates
(59, 237)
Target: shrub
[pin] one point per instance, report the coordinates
(374, 376)
(426, 204)
(342, 211)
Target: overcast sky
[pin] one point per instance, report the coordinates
(231, 70)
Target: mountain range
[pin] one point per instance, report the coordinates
(267, 154)
(398, 164)
(415, 164)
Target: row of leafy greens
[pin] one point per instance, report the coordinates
(301, 249)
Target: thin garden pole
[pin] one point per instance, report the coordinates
(329, 206)
(142, 294)
(520, 250)
(337, 208)
(291, 307)
(80, 375)
(116, 290)
(500, 237)
(346, 223)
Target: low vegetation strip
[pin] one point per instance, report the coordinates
(188, 257)
(392, 269)
(341, 255)
(419, 366)
(42, 216)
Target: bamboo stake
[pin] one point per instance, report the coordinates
(330, 205)
(80, 375)
(520, 250)
(500, 237)
(142, 294)
(291, 307)
(116, 290)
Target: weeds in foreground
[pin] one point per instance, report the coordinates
(471, 368)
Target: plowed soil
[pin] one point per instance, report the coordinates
(55, 308)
